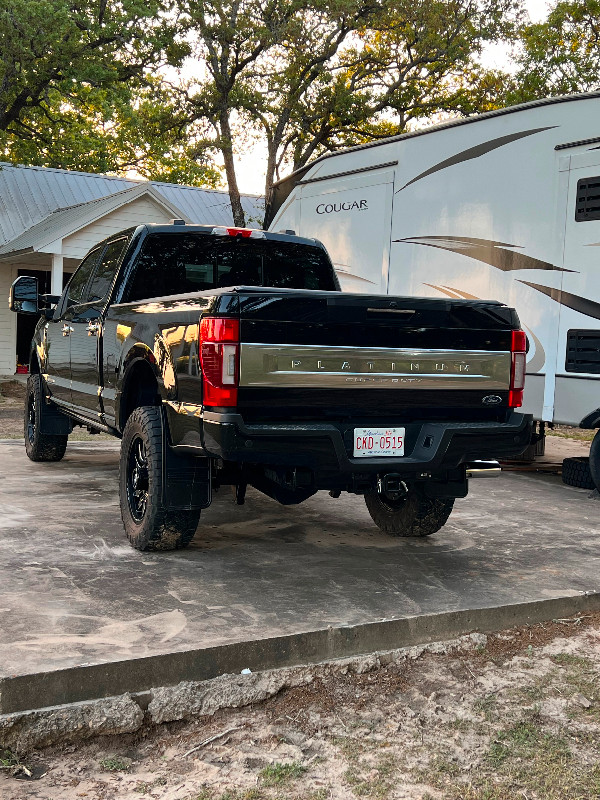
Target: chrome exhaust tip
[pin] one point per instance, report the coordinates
(483, 469)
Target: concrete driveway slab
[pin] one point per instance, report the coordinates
(73, 592)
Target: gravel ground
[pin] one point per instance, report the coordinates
(517, 715)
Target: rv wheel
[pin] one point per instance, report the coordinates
(576, 472)
(409, 516)
(595, 460)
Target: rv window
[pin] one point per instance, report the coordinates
(583, 351)
(588, 199)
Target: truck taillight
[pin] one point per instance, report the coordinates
(517, 369)
(219, 357)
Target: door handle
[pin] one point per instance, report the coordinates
(67, 330)
(93, 328)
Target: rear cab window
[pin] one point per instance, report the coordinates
(176, 263)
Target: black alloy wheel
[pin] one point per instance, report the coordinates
(30, 422)
(137, 479)
(149, 523)
(40, 446)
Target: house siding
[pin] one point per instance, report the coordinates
(141, 211)
(8, 322)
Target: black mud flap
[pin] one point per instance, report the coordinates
(53, 422)
(187, 482)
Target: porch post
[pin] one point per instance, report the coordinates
(56, 282)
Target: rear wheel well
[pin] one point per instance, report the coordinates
(140, 389)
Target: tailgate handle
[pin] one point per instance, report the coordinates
(391, 310)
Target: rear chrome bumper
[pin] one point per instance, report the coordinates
(431, 447)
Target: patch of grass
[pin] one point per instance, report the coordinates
(460, 725)
(247, 794)
(570, 660)
(487, 707)
(115, 764)
(567, 432)
(351, 748)
(278, 773)
(146, 788)
(372, 779)
(8, 759)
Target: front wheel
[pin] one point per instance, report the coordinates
(149, 525)
(40, 446)
(410, 515)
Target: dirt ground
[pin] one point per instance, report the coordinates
(12, 399)
(515, 716)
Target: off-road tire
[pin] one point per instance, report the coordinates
(410, 516)
(576, 472)
(149, 525)
(39, 446)
(595, 460)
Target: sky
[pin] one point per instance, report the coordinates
(250, 166)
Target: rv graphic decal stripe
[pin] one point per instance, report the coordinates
(587, 307)
(485, 250)
(535, 364)
(452, 292)
(476, 152)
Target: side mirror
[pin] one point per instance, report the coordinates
(24, 295)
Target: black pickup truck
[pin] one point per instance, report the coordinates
(224, 356)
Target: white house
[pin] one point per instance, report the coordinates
(49, 219)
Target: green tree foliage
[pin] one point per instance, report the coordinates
(560, 55)
(410, 61)
(60, 45)
(111, 130)
(318, 75)
(77, 89)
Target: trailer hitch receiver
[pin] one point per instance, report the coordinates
(392, 485)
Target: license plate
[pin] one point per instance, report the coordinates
(378, 442)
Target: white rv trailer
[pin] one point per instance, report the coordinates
(504, 206)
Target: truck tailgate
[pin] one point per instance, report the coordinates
(312, 353)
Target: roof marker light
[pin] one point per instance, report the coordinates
(244, 233)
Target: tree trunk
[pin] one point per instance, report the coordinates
(239, 218)
(271, 160)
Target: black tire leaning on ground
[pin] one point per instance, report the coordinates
(409, 516)
(148, 524)
(595, 460)
(40, 446)
(576, 472)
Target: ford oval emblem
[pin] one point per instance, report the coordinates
(492, 400)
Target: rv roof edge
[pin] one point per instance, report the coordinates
(451, 123)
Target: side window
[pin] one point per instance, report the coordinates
(588, 199)
(78, 282)
(104, 275)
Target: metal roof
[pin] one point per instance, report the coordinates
(30, 195)
(65, 221)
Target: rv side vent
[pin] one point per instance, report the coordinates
(588, 199)
(583, 352)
